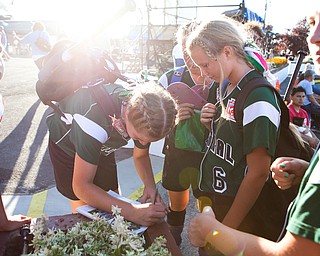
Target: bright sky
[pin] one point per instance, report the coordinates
(77, 16)
(282, 14)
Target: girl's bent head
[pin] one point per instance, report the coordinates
(151, 113)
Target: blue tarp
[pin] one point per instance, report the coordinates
(248, 15)
(252, 16)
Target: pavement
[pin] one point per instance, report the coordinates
(26, 178)
(51, 203)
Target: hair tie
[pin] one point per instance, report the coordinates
(253, 55)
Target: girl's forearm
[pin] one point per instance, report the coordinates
(247, 195)
(232, 242)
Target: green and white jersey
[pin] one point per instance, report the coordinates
(88, 133)
(304, 217)
(224, 164)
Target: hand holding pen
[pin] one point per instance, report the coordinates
(152, 195)
(158, 199)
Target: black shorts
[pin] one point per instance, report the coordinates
(267, 216)
(63, 165)
(181, 168)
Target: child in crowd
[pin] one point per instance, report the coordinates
(82, 151)
(38, 31)
(181, 166)
(302, 236)
(236, 164)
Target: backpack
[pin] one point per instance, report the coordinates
(177, 75)
(288, 144)
(69, 67)
(274, 202)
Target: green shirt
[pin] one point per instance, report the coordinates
(224, 164)
(304, 217)
(90, 133)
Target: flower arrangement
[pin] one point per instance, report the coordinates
(97, 237)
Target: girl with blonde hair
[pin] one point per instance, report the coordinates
(236, 164)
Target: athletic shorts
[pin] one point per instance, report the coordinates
(265, 219)
(181, 168)
(63, 165)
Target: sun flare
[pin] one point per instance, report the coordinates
(84, 20)
(80, 19)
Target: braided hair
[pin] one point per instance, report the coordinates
(152, 109)
(212, 36)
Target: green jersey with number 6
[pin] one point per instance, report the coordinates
(224, 164)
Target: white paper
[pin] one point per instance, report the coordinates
(90, 212)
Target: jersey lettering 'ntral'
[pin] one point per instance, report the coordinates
(224, 164)
(90, 133)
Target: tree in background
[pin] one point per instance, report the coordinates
(296, 39)
(290, 42)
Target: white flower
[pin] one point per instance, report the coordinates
(115, 210)
(97, 237)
